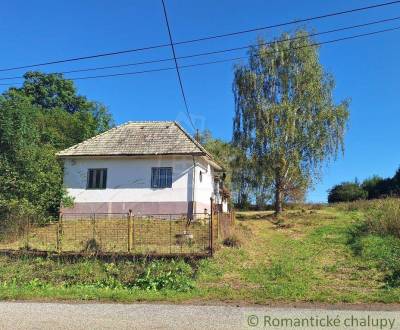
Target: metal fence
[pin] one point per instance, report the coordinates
(225, 223)
(118, 233)
(123, 233)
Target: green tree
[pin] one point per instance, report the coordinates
(221, 150)
(372, 186)
(64, 118)
(49, 91)
(346, 192)
(43, 116)
(29, 171)
(286, 121)
(395, 184)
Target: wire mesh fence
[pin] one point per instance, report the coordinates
(225, 223)
(150, 234)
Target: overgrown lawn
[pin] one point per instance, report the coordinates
(306, 256)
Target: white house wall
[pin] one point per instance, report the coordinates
(204, 188)
(129, 185)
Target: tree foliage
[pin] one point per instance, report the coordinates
(42, 117)
(378, 187)
(286, 122)
(371, 188)
(222, 151)
(346, 192)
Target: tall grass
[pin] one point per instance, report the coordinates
(154, 275)
(382, 216)
(377, 237)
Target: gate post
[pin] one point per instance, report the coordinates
(129, 230)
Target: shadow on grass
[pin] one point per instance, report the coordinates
(380, 251)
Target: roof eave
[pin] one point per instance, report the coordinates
(59, 155)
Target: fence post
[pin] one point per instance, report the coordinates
(211, 225)
(129, 230)
(27, 230)
(170, 234)
(94, 226)
(59, 232)
(132, 230)
(219, 214)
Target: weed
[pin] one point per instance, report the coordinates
(92, 246)
(232, 241)
(160, 275)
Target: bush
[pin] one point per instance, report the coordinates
(159, 275)
(232, 241)
(92, 246)
(346, 192)
(374, 186)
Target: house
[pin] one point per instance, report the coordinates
(147, 167)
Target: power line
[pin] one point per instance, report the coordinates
(303, 20)
(219, 51)
(232, 59)
(83, 57)
(176, 66)
(101, 67)
(245, 57)
(200, 39)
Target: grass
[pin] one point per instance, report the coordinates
(311, 255)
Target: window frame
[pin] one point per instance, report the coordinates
(102, 178)
(157, 177)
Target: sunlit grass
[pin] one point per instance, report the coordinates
(308, 257)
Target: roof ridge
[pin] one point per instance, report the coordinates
(149, 121)
(198, 145)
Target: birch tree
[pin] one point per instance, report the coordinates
(286, 121)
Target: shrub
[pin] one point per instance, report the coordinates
(92, 246)
(159, 275)
(346, 192)
(232, 241)
(374, 186)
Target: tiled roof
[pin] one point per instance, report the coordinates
(139, 138)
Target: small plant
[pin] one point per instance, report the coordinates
(232, 241)
(92, 246)
(37, 283)
(162, 275)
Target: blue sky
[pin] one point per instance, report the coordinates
(366, 69)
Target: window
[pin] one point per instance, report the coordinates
(161, 177)
(97, 178)
(201, 176)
